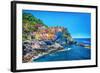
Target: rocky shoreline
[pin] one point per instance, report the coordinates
(36, 53)
(32, 52)
(83, 45)
(39, 39)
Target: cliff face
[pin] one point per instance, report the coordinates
(35, 28)
(38, 38)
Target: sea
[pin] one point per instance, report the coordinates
(70, 53)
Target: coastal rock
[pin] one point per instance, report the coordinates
(55, 46)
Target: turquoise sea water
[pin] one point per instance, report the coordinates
(75, 53)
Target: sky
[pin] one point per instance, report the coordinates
(78, 24)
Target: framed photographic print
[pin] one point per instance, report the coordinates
(47, 36)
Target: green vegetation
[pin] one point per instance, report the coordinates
(67, 34)
(30, 24)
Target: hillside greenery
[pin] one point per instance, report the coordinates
(29, 22)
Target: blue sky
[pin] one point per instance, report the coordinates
(78, 24)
